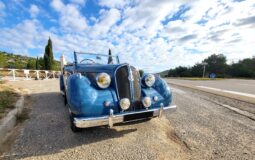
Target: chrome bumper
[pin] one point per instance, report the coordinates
(117, 118)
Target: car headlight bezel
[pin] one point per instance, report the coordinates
(124, 103)
(103, 80)
(147, 102)
(149, 80)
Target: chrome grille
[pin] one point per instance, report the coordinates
(123, 84)
(129, 86)
(136, 84)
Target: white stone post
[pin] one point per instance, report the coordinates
(13, 74)
(37, 75)
(46, 74)
(26, 72)
(53, 73)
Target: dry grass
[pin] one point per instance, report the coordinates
(8, 98)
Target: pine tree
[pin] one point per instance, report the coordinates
(48, 56)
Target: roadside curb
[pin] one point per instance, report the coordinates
(228, 95)
(10, 120)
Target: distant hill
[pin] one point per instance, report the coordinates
(164, 73)
(10, 60)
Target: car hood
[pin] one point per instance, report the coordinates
(108, 68)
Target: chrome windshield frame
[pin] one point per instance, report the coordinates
(96, 54)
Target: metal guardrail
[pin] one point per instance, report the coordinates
(26, 74)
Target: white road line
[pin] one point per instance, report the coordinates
(245, 113)
(247, 84)
(227, 91)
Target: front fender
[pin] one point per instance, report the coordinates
(85, 100)
(161, 90)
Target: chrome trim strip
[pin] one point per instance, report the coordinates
(112, 119)
(98, 54)
(140, 82)
(131, 79)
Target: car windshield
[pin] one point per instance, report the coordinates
(94, 58)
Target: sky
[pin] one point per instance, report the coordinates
(153, 35)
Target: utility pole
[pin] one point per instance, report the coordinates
(204, 64)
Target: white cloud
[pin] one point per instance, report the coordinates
(80, 2)
(21, 37)
(57, 5)
(112, 3)
(192, 41)
(16, 5)
(146, 17)
(2, 7)
(107, 19)
(70, 17)
(135, 30)
(34, 10)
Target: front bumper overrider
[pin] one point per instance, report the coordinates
(112, 118)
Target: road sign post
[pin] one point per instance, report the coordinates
(204, 64)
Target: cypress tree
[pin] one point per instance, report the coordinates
(110, 57)
(45, 58)
(37, 64)
(48, 56)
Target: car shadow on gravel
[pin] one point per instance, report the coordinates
(47, 131)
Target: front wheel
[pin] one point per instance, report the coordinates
(73, 127)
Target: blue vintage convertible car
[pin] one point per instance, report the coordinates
(100, 91)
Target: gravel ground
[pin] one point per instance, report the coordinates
(200, 129)
(210, 130)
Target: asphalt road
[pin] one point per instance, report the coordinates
(200, 129)
(236, 85)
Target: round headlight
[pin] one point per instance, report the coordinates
(103, 80)
(149, 80)
(124, 103)
(146, 102)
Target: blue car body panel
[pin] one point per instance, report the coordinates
(86, 100)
